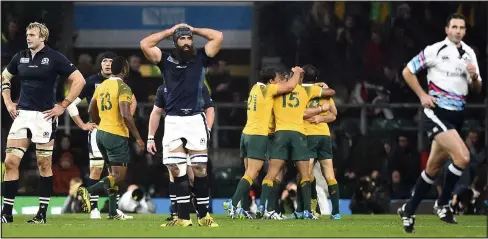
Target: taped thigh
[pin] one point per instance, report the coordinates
(17, 151)
(201, 158)
(174, 158)
(97, 163)
(44, 151)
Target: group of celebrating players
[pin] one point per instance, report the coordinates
(287, 116)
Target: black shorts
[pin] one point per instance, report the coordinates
(439, 120)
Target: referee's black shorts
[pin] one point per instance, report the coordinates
(437, 120)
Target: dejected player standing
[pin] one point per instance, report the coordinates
(35, 116)
(452, 67)
(186, 131)
(158, 110)
(96, 160)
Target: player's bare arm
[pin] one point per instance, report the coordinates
(6, 85)
(75, 115)
(133, 105)
(285, 87)
(317, 119)
(214, 37)
(413, 82)
(130, 123)
(77, 83)
(309, 112)
(149, 45)
(154, 119)
(93, 111)
(210, 115)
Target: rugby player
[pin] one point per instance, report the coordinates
(36, 115)
(319, 142)
(155, 117)
(254, 138)
(186, 131)
(110, 109)
(452, 67)
(289, 143)
(96, 160)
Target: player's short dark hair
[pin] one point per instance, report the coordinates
(269, 73)
(310, 74)
(455, 16)
(119, 65)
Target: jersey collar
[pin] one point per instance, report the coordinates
(114, 78)
(307, 84)
(260, 83)
(450, 43)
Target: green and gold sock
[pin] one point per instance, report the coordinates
(246, 201)
(306, 194)
(242, 190)
(266, 189)
(103, 184)
(334, 195)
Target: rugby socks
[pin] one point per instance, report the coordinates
(313, 186)
(93, 197)
(451, 177)
(246, 201)
(45, 191)
(102, 185)
(200, 187)
(275, 193)
(172, 195)
(112, 201)
(299, 200)
(333, 189)
(422, 187)
(183, 197)
(11, 188)
(266, 190)
(242, 190)
(306, 194)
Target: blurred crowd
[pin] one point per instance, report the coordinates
(360, 49)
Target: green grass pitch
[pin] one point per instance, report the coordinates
(79, 225)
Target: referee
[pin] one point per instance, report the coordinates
(36, 115)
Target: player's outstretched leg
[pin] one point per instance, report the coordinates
(44, 161)
(14, 152)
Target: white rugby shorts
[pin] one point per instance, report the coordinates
(93, 150)
(191, 129)
(42, 130)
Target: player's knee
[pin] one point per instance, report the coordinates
(178, 170)
(462, 158)
(200, 170)
(12, 163)
(44, 164)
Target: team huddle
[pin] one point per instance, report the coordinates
(287, 118)
(287, 121)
